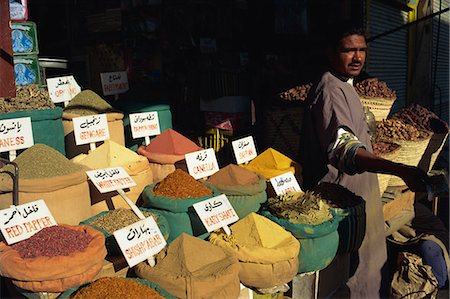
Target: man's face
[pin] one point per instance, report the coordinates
(349, 57)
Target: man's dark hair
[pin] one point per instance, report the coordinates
(339, 30)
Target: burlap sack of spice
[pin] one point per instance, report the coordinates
(270, 163)
(54, 274)
(267, 253)
(178, 211)
(165, 150)
(246, 190)
(112, 154)
(193, 268)
(46, 174)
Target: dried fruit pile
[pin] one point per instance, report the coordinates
(374, 88)
(395, 129)
(180, 184)
(300, 208)
(53, 241)
(380, 148)
(297, 93)
(29, 97)
(421, 118)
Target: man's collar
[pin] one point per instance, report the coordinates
(339, 76)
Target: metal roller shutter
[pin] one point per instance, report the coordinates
(440, 59)
(387, 56)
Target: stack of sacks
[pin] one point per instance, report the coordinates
(173, 198)
(111, 154)
(245, 190)
(193, 268)
(88, 103)
(267, 253)
(45, 173)
(165, 150)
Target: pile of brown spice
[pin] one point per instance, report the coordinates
(337, 196)
(53, 241)
(180, 184)
(116, 288)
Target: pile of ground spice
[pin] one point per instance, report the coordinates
(116, 288)
(118, 218)
(301, 208)
(86, 103)
(53, 241)
(336, 195)
(29, 97)
(180, 184)
(233, 175)
(42, 161)
(171, 142)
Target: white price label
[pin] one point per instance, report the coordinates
(284, 183)
(114, 82)
(21, 222)
(244, 149)
(140, 240)
(216, 212)
(110, 179)
(202, 163)
(16, 133)
(62, 89)
(144, 124)
(90, 129)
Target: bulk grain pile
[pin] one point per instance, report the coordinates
(267, 253)
(185, 273)
(46, 174)
(115, 288)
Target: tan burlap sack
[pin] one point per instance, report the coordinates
(115, 127)
(67, 197)
(54, 274)
(160, 171)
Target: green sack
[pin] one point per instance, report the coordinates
(111, 243)
(67, 294)
(246, 204)
(47, 126)
(318, 243)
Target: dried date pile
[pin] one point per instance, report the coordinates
(118, 218)
(395, 129)
(380, 148)
(297, 93)
(29, 97)
(300, 208)
(180, 184)
(53, 241)
(421, 118)
(336, 196)
(374, 88)
(116, 288)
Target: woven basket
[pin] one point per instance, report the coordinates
(433, 149)
(410, 154)
(383, 179)
(380, 107)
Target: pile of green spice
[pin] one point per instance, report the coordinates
(116, 288)
(336, 195)
(117, 219)
(29, 97)
(42, 161)
(87, 102)
(300, 208)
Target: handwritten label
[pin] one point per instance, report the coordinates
(202, 163)
(140, 240)
(114, 82)
(244, 149)
(216, 212)
(144, 124)
(90, 129)
(21, 222)
(16, 133)
(284, 183)
(62, 89)
(110, 179)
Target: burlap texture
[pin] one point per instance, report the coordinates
(67, 197)
(160, 171)
(54, 274)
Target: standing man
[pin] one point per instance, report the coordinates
(335, 147)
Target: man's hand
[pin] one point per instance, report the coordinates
(415, 178)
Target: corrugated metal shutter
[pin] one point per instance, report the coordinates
(440, 76)
(387, 57)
